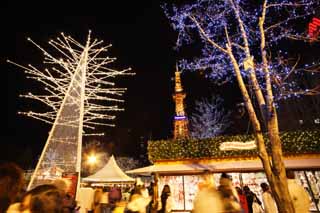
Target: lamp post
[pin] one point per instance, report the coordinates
(92, 160)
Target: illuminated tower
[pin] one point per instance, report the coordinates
(180, 119)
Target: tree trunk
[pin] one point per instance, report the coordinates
(278, 180)
(277, 177)
(263, 154)
(252, 73)
(275, 171)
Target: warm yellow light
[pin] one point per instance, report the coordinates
(92, 159)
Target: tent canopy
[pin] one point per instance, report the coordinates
(111, 172)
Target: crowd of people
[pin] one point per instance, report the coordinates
(229, 199)
(54, 197)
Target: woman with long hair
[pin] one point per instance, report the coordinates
(166, 201)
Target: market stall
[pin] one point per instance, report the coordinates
(180, 164)
(184, 176)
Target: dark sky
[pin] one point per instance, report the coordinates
(141, 38)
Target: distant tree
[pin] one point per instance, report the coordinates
(128, 163)
(241, 40)
(209, 118)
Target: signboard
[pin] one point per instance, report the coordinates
(72, 177)
(314, 28)
(237, 145)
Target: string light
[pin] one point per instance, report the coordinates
(281, 24)
(292, 143)
(56, 80)
(80, 93)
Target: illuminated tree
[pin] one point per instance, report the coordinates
(80, 95)
(128, 163)
(241, 40)
(209, 118)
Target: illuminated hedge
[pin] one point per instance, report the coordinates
(292, 143)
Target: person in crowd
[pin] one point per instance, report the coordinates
(96, 199)
(229, 194)
(11, 184)
(315, 188)
(256, 207)
(104, 201)
(166, 200)
(85, 199)
(269, 204)
(114, 196)
(68, 201)
(44, 198)
(120, 207)
(252, 199)
(300, 198)
(242, 199)
(139, 200)
(207, 199)
(126, 193)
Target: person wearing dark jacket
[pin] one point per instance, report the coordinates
(166, 201)
(251, 197)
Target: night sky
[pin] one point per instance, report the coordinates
(142, 39)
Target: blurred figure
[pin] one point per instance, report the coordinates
(120, 207)
(44, 198)
(11, 184)
(166, 200)
(85, 199)
(252, 199)
(114, 196)
(62, 184)
(315, 188)
(152, 205)
(229, 194)
(207, 199)
(269, 204)
(139, 200)
(242, 199)
(126, 194)
(104, 201)
(299, 196)
(96, 199)
(68, 201)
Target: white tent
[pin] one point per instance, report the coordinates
(110, 173)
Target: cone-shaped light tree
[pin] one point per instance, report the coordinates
(80, 93)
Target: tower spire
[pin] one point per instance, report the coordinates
(180, 119)
(178, 86)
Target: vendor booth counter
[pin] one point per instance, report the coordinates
(184, 176)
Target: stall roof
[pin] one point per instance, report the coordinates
(239, 165)
(111, 172)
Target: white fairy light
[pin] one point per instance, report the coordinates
(56, 81)
(80, 93)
